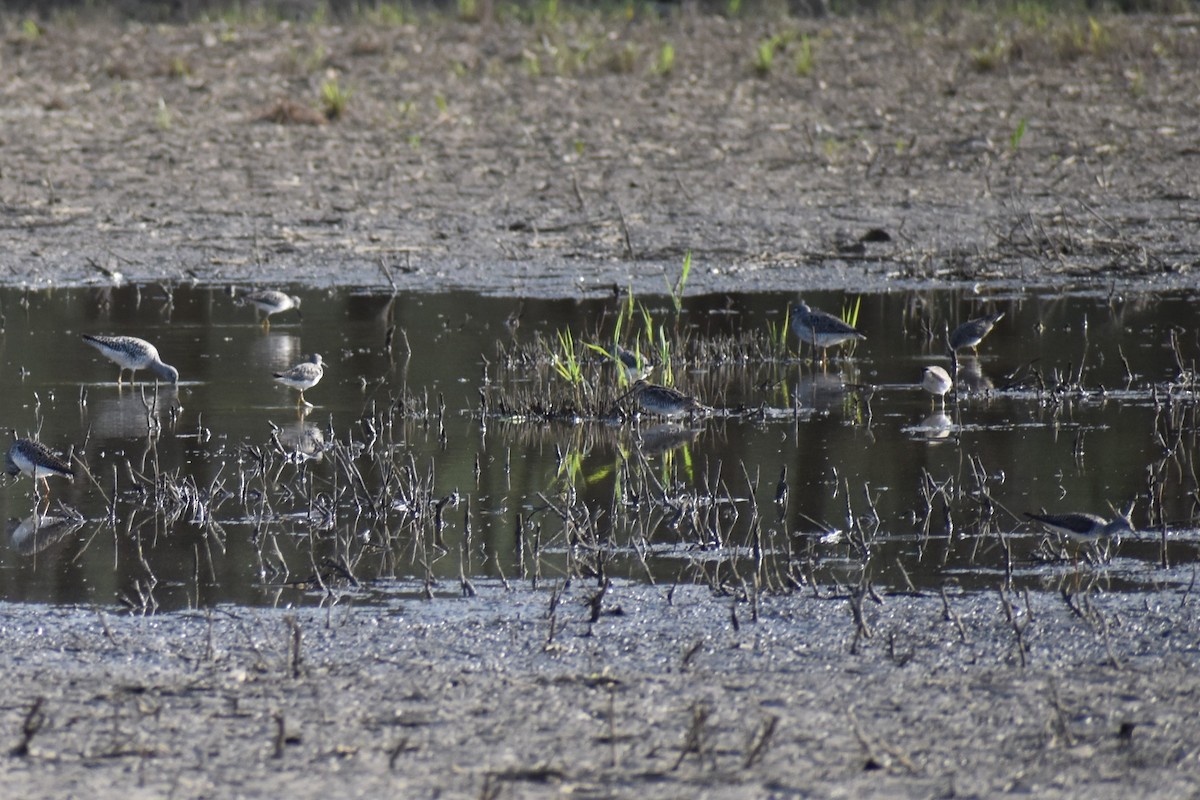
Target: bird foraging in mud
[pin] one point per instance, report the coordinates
(972, 332)
(820, 329)
(937, 382)
(663, 400)
(272, 301)
(131, 353)
(29, 457)
(303, 376)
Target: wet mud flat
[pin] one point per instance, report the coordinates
(650, 691)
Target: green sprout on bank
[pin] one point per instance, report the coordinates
(1014, 141)
(565, 360)
(850, 317)
(778, 334)
(334, 99)
(804, 59)
(764, 55)
(680, 283)
(666, 59)
(850, 312)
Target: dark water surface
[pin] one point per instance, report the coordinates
(400, 480)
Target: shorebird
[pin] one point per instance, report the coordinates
(820, 329)
(1084, 527)
(971, 332)
(937, 382)
(633, 365)
(272, 301)
(303, 376)
(131, 353)
(28, 457)
(663, 400)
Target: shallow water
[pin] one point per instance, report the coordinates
(1074, 402)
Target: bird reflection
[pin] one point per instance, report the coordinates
(301, 439)
(935, 426)
(665, 437)
(275, 352)
(822, 390)
(971, 376)
(135, 414)
(38, 531)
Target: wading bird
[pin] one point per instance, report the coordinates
(131, 353)
(303, 376)
(820, 329)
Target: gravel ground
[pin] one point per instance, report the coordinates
(663, 696)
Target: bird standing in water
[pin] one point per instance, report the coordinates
(272, 301)
(131, 353)
(820, 329)
(28, 457)
(303, 376)
(937, 382)
(971, 332)
(663, 400)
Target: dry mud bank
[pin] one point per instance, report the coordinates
(560, 156)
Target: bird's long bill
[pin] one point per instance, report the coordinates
(637, 387)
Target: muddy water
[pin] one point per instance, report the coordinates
(221, 490)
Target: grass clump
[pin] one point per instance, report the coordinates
(334, 99)
(665, 64)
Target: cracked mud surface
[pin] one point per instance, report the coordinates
(519, 161)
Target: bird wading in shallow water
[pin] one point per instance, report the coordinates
(131, 353)
(663, 400)
(1087, 529)
(272, 301)
(28, 457)
(303, 376)
(937, 382)
(820, 329)
(972, 332)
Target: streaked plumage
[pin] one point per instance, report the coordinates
(1084, 527)
(936, 381)
(971, 332)
(27, 457)
(665, 401)
(820, 329)
(303, 376)
(131, 353)
(272, 301)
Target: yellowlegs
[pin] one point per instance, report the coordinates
(1084, 527)
(936, 381)
(28, 457)
(820, 329)
(272, 301)
(131, 353)
(303, 376)
(971, 332)
(664, 401)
